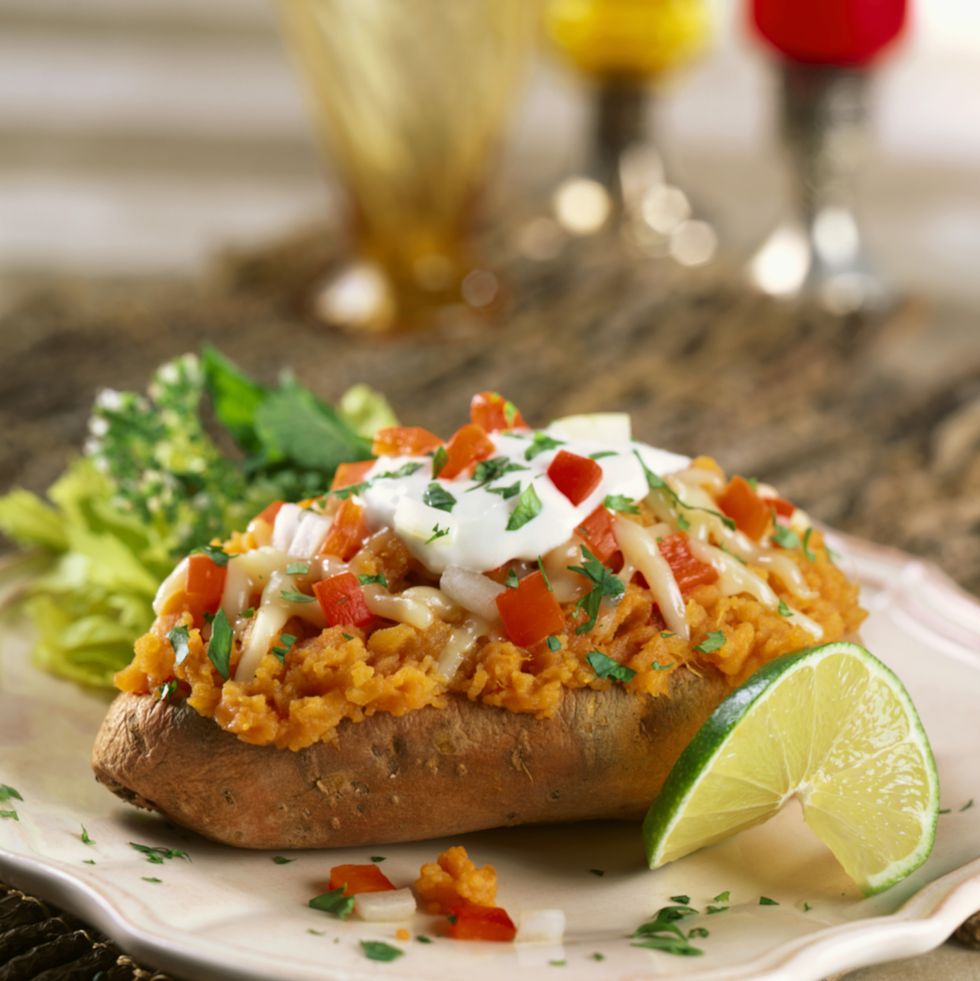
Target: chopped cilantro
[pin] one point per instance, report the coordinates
(9, 793)
(510, 412)
(215, 553)
(84, 836)
(282, 860)
(405, 470)
(785, 537)
(657, 666)
(151, 878)
(662, 932)
(512, 582)
(604, 585)
(554, 643)
(806, 545)
(682, 522)
(439, 459)
(316, 933)
(219, 648)
(806, 906)
(179, 638)
(753, 482)
(657, 483)
(158, 854)
(346, 635)
(557, 963)
(488, 471)
(621, 503)
(544, 574)
(342, 493)
(666, 633)
(285, 646)
(597, 956)
(167, 690)
(7, 815)
(437, 533)
(378, 950)
(697, 932)
(683, 900)
(966, 806)
(602, 453)
(423, 939)
(334, 902)
(724, 897)
(378, 580)
(527, 509)
(541, 442)
(298, 569)
(436, 496)
(605, 667)
(713, 642)
(784, 610)
(292, 596)
(945, 810)
(377, 858)
(598, 872)
(247, 614)
(506, 492)
(88, 861)
(716, 909)
(766, 901)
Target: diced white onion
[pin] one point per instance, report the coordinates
(238, 588)
(389, 906)
(284, 529)
(311, 533)
(472, 591)
(540, 926)
(700, 477)
(260, 563)
(601, 427)
(172, 584)
(267, 623)
(414, 612)
(640, 548)
(440, 605)
(565, 584)
(460, 643)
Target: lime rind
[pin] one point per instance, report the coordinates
(761, 800)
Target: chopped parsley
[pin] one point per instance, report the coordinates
(766, 901)
(785, 537)
(346, 635)
(657, 666)
(316, 933)
(405, 470)
(247, 614)
(179, 638)
(713, 642)
(621, 503)
(84, 836)
(604, 585)
(293, 596)
(378, 580)
(554, 643)
(605, 667)
(510, 412)
(662, 932)
(334, 902)
(528, 508)
(966, 806)
(724, 897)
(439, 459)
(666, 633)
(284, 647)
(88, 861)
(215, 553)
(716, 909)
(697, 932)
(378, 950)
(158, 854)
(506, 492)
(219, 648)
(377, 858)
(784, 610)
(342, 493)
(598, 872)
(598, 957)
(656, 483)
(151, 878)
(557, 963)
(423, 939)
(282, 860)
(602, 453)
(298, 569)
(9, 793)
(541, 442)
(9, 815)
(489, 471)
(806, 545)
(544, 574)
(806, 906)
(436, 496)
(683, 900)
(512, 582)
(437, 533)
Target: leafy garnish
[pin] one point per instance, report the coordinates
(334, 902)
(179, 638)
(488, 471)
(282, 860)
(806, 545)
(88, 861)
(784, 610)
(716, 909)
(378, 950)
(806, 906)
(9, 793)
(597, 956)
(508, 492)
(84, 837)
(785, 537)
(605, 667)
(294, 596)
(766, 901)
(286, 645)
(713, 642)
(662, 932)
(656, 483)
(541, 442)
(657, 666)
(377, 858)
(11, 814)
(158, 854)
(604, 585)
(602, 453)
(544, 574)
(151, 878)
(511, 581)
(215, 553)
(724, 897)
(423, 939)
(598, 872)
(437, 533)
(697, 932)
(298, 569)
(377, 580)
(621, 503)
(966, 806)
(405, 470)
(436, 496)
(554, 643)
(439, 459)
(527, 509)
(683, 900)
(219, 647)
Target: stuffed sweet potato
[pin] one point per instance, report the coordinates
(513, 626)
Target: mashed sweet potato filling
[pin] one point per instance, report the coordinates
(348, 673)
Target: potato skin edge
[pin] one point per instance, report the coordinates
(429, 773)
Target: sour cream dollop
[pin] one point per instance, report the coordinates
(472, 532)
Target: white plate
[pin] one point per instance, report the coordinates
(229, 913)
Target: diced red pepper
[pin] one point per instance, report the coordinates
(530, 611)
(597, 530)
(404, 441)
(348, 531)
(688, 570)
(342, 601)
(493, 412)
(468, 445)
(575, 476)
(269, 513)
(471, 922)
(350, 473)
(780, 505)
(355, 879)
(205, 583)
(741, 503)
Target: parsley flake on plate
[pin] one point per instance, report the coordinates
(334, 902)
(282, 860)
(298, 569)
(158, 854)
(84, 837)
(378, 950)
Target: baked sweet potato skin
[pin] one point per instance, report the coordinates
(429, 773)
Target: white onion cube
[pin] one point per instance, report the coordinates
(540, 926)
(385, 907)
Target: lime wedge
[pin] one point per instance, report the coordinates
(830, 725)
